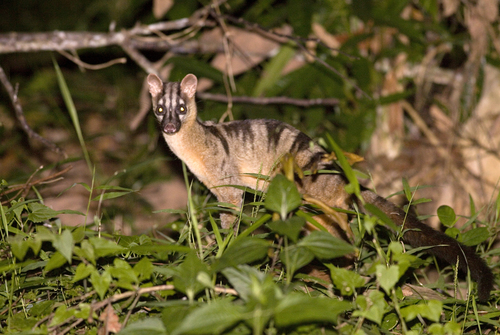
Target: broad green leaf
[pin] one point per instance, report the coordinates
(372, 307)
(124, 274)
(56, 261)
(297, 308)
(61, 315)
(85, 251)
(104, 247)
(475, 236)
(44, 234)
(243, 250)
(344, 280)
(211, 318)
(150, 326)
(387, 276)
(78, 234)
(82, 271)
(291, 227)
(326, 246)
(240, 279)
(430, 309)
(39, 213)
(143, 269)
(173, 314)
(100, 282)
(83, 311)
(64, 244)
(447, 215)
(295, 257)
(185, 277)
(42, 308)
(19, 246)
(282, 196)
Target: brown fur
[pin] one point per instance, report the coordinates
(224, 154)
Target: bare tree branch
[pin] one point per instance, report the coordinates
(270, 100)
(20, 115)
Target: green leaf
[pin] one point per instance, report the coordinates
(430, 309)
(56, 261)
(124, 274)
(82, 271)
(61, 315)
(297, 308)
(64, 244)
(104, 247)
(110, 195)
(291, 227)
(387, 276)
(19, 246)
(475, 236)
(39, 213)
(407, 190)
(100, 282)
(211, 318)
(273, 69)
(143, 269)
(241, 279)
(68, 100)
(326, 246)
(295, 257)
(150, 326)
(85, 251)
(447, 215)
(186, 274)
(372, 307)
(243, 250)
(344, 164)
(381, 215)
(344, 280)
(282, 196)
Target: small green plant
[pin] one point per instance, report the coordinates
(270, 278)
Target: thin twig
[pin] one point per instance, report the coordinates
(88, 66)
(22, 119)
(26, 186)
(299, 42)
(269, 100)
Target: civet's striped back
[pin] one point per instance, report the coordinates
(232, 153)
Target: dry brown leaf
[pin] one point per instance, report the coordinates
(111, 321)
(161, 7)
(450, 7)
(249, 48)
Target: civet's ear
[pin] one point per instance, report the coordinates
(155, 85)
(188, 85)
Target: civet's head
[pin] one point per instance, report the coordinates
(173, 102)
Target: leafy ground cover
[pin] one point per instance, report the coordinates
(268, 277)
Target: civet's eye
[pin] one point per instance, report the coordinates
(182, 109)
(159, 110)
